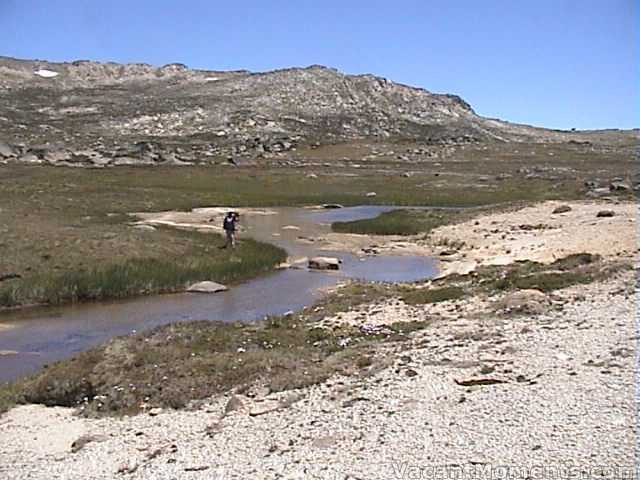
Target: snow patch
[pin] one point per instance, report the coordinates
(46, 73)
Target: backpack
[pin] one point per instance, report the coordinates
(229, 223)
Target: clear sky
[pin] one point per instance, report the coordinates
(552, 63)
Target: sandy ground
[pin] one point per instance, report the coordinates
(478, 394)
(533, 233)
(202, 219)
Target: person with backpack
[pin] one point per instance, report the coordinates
(229, 226)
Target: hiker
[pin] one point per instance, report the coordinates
(229, 225)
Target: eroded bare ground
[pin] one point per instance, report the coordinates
(518, 378)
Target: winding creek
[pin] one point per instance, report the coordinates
(30, 339)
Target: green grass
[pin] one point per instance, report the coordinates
(410, 222)
(582, 268)
(397, 222)
(424, 296)
(83, 238)
(175, 364)
(138, 276)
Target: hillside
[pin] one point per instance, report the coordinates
(88, 112)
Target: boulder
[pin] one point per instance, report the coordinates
(619, 187)
(207, 287)
(235, 404)
(29, 158)
(145, 228)
(456, 268)
(562, 209)
(528, 301)
(605, 213)
(324, 263)
(267, 406)
(55, 156)
(6, 150)
(81, 442)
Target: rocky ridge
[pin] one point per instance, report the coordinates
(93, 114)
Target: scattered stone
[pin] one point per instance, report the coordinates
(207, 287)
(154, 412)
(328, 441)
(487, 369)
(262, 408)
(30, 158)
(6, 150)
(197, 469)
(562, 209)
(84, 440)
(472, 382)
(530, 301)
(126, 468)
(213, 429)
(331, 206)
(351, 402)
(371, 194)
(145, 228)
(9, 276)
(619, 187)
(234, 404)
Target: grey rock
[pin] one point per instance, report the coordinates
(84, 440)
(30, 158)
(234, 404)
(145, 228)
(605, 213)
(207, 287)
(7, 151)
(324, 263)
(561, 209)
(56, 156)
(619, 187)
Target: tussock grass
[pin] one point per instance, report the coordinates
(138, 276)
(175, 364)
(423, 296)
(582, 268)
(397, 222)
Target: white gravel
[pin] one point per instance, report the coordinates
(568, 408)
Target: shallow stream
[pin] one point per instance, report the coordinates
(35, 337)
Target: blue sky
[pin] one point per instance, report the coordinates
(552, 63)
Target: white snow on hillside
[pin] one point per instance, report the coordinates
(46, 73)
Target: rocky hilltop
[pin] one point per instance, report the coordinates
(86, 112)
